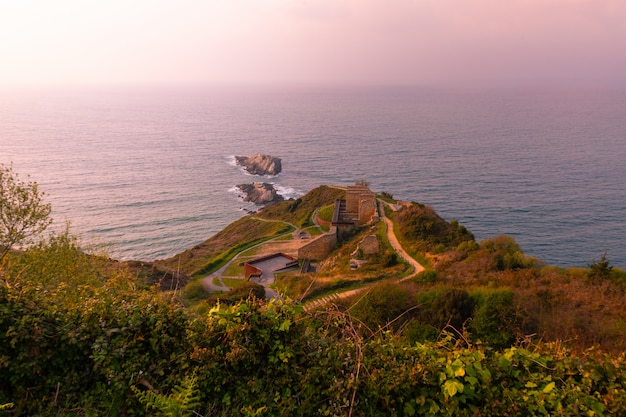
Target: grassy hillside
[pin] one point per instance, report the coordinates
(250, 230)
(421, 229)
(299, 211)
(491, 292)
(217, 250)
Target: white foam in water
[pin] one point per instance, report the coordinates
(236, 190)
(288, 192)
(232, 161)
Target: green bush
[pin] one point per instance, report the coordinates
(600, 270)
(506, 254)
(454, 307)
(240, 293)
(428, 276)
(495, 321)
(382, 306)
(194, 291)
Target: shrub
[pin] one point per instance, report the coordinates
(427, 231)
(453, 307)
(194, 291)
(426, 277)
(240, 293)
(599, 271)
(504, 253)
(495, 321)
(383, 304)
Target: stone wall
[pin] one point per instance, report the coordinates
(319, 248)
(369, 245)
(367, 211)
(360, 203)
(353, 197)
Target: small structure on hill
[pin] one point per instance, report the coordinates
(368, 246)
(358, 208)
(262, 269)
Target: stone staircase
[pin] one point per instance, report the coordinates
(328, 299)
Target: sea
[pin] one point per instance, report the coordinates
(146, 172)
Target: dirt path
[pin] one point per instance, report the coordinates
(287, 246)
(276, 244)
(395, 244)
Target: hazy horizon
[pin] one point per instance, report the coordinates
(324, 42)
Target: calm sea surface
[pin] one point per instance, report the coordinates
(150, 171)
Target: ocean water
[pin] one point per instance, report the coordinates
(150, 172)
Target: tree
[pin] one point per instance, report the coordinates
(600, 270)
(23, 214)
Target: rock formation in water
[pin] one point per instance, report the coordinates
(260, 193)
(260, 164)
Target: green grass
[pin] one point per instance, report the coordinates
(234, 269)
(326, 212)
(250, 253)
(233, 282)
(300, 211)
(314, 231)
(219, 249)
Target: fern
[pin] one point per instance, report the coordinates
(182, 401)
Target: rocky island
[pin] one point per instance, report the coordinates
(260, 193)
(260, 164)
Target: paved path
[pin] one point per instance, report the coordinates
(209, 285)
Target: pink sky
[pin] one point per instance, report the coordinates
(311, 41)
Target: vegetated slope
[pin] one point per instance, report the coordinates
(492, 293)
(299, 211)
(111, 349)
(249, 230)
(79, 337)
(216, 250)
(421, 228)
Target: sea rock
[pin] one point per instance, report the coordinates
(260, 193)
(260, 164)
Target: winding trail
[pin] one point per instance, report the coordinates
(207, 281)
(209, 285)
(395, 244)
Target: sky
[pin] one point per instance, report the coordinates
(363, 42)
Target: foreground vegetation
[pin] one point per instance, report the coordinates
(484, 331)
(77, 339)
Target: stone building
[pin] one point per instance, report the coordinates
(358, 208)
(360, 203)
